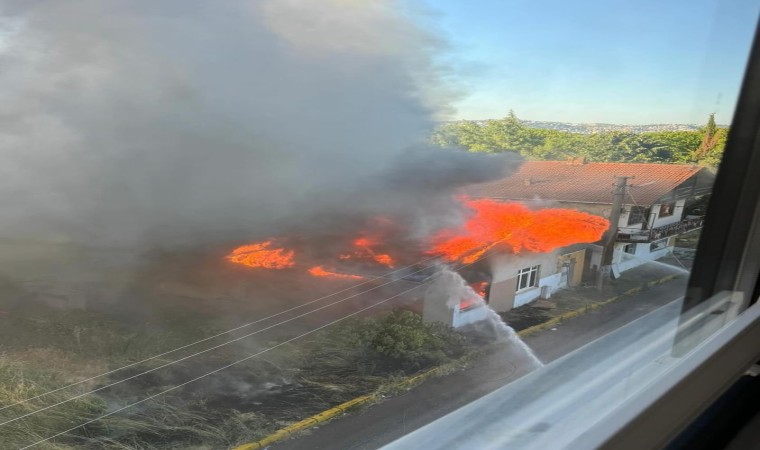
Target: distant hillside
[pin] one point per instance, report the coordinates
(601, 142)
(589, 128)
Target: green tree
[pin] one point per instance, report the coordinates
(473, 137)
(680, 145)
(510, 134)
(709, 139)
(555, 144)
(710, 150)
(507, 134)
(605, 146)
(446, 135)
(713, 157)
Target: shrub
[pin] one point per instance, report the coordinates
(403, 337)
(397, 341)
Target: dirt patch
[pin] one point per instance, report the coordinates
(525, 317)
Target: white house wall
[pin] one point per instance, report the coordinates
(662, 221)
(461, 318)
(528, 295)
(505, 267)
(436, 309)
(642, 255)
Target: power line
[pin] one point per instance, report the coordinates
(200, 352)
(217, 370)
(211, 337)
(237, 362)
(630, 194)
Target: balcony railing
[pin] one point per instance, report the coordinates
(673, 229)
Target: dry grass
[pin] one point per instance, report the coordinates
(20, 380)
(45, 349)
(169, 422)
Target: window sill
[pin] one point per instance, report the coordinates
(527, 289)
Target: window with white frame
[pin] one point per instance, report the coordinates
(630, 249)
(667, 209)
(527, 278)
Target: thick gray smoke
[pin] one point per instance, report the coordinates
(179, 121)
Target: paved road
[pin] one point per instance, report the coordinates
(396, 416)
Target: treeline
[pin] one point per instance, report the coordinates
(703, 147)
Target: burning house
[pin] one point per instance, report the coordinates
(660, 202)
(484, 248)
(530, 253)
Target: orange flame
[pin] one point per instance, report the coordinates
(365, 251)
(480, 288)
(260, 255)
(468, 302)
(319, 271)
(517, 227)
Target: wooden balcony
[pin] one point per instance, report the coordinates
(689, 224)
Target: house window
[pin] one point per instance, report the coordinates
(630, 249)
(658, 245)
(638, 214)
(527, 278)
(667, 209)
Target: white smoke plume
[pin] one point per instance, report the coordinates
(450, 288)
(127, 121)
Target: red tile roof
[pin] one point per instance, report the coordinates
(588, 183)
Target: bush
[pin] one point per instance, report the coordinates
(398, 341)
(402, 337)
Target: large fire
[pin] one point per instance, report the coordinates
(518, 228)
(512, 226)
(319, 271)
(262, 255)
(365, 250)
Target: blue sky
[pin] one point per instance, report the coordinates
(613, 61)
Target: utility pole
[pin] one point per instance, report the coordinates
(611, 236)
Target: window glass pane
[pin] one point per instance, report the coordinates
(638, 214)
(222, 218)
(658, 245)
(666, 209)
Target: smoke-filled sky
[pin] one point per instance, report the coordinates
(126, 121)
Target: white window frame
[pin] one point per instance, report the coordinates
(667, 209)
(631, 246)
(526, 274)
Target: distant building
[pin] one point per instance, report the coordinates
(652, 216)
